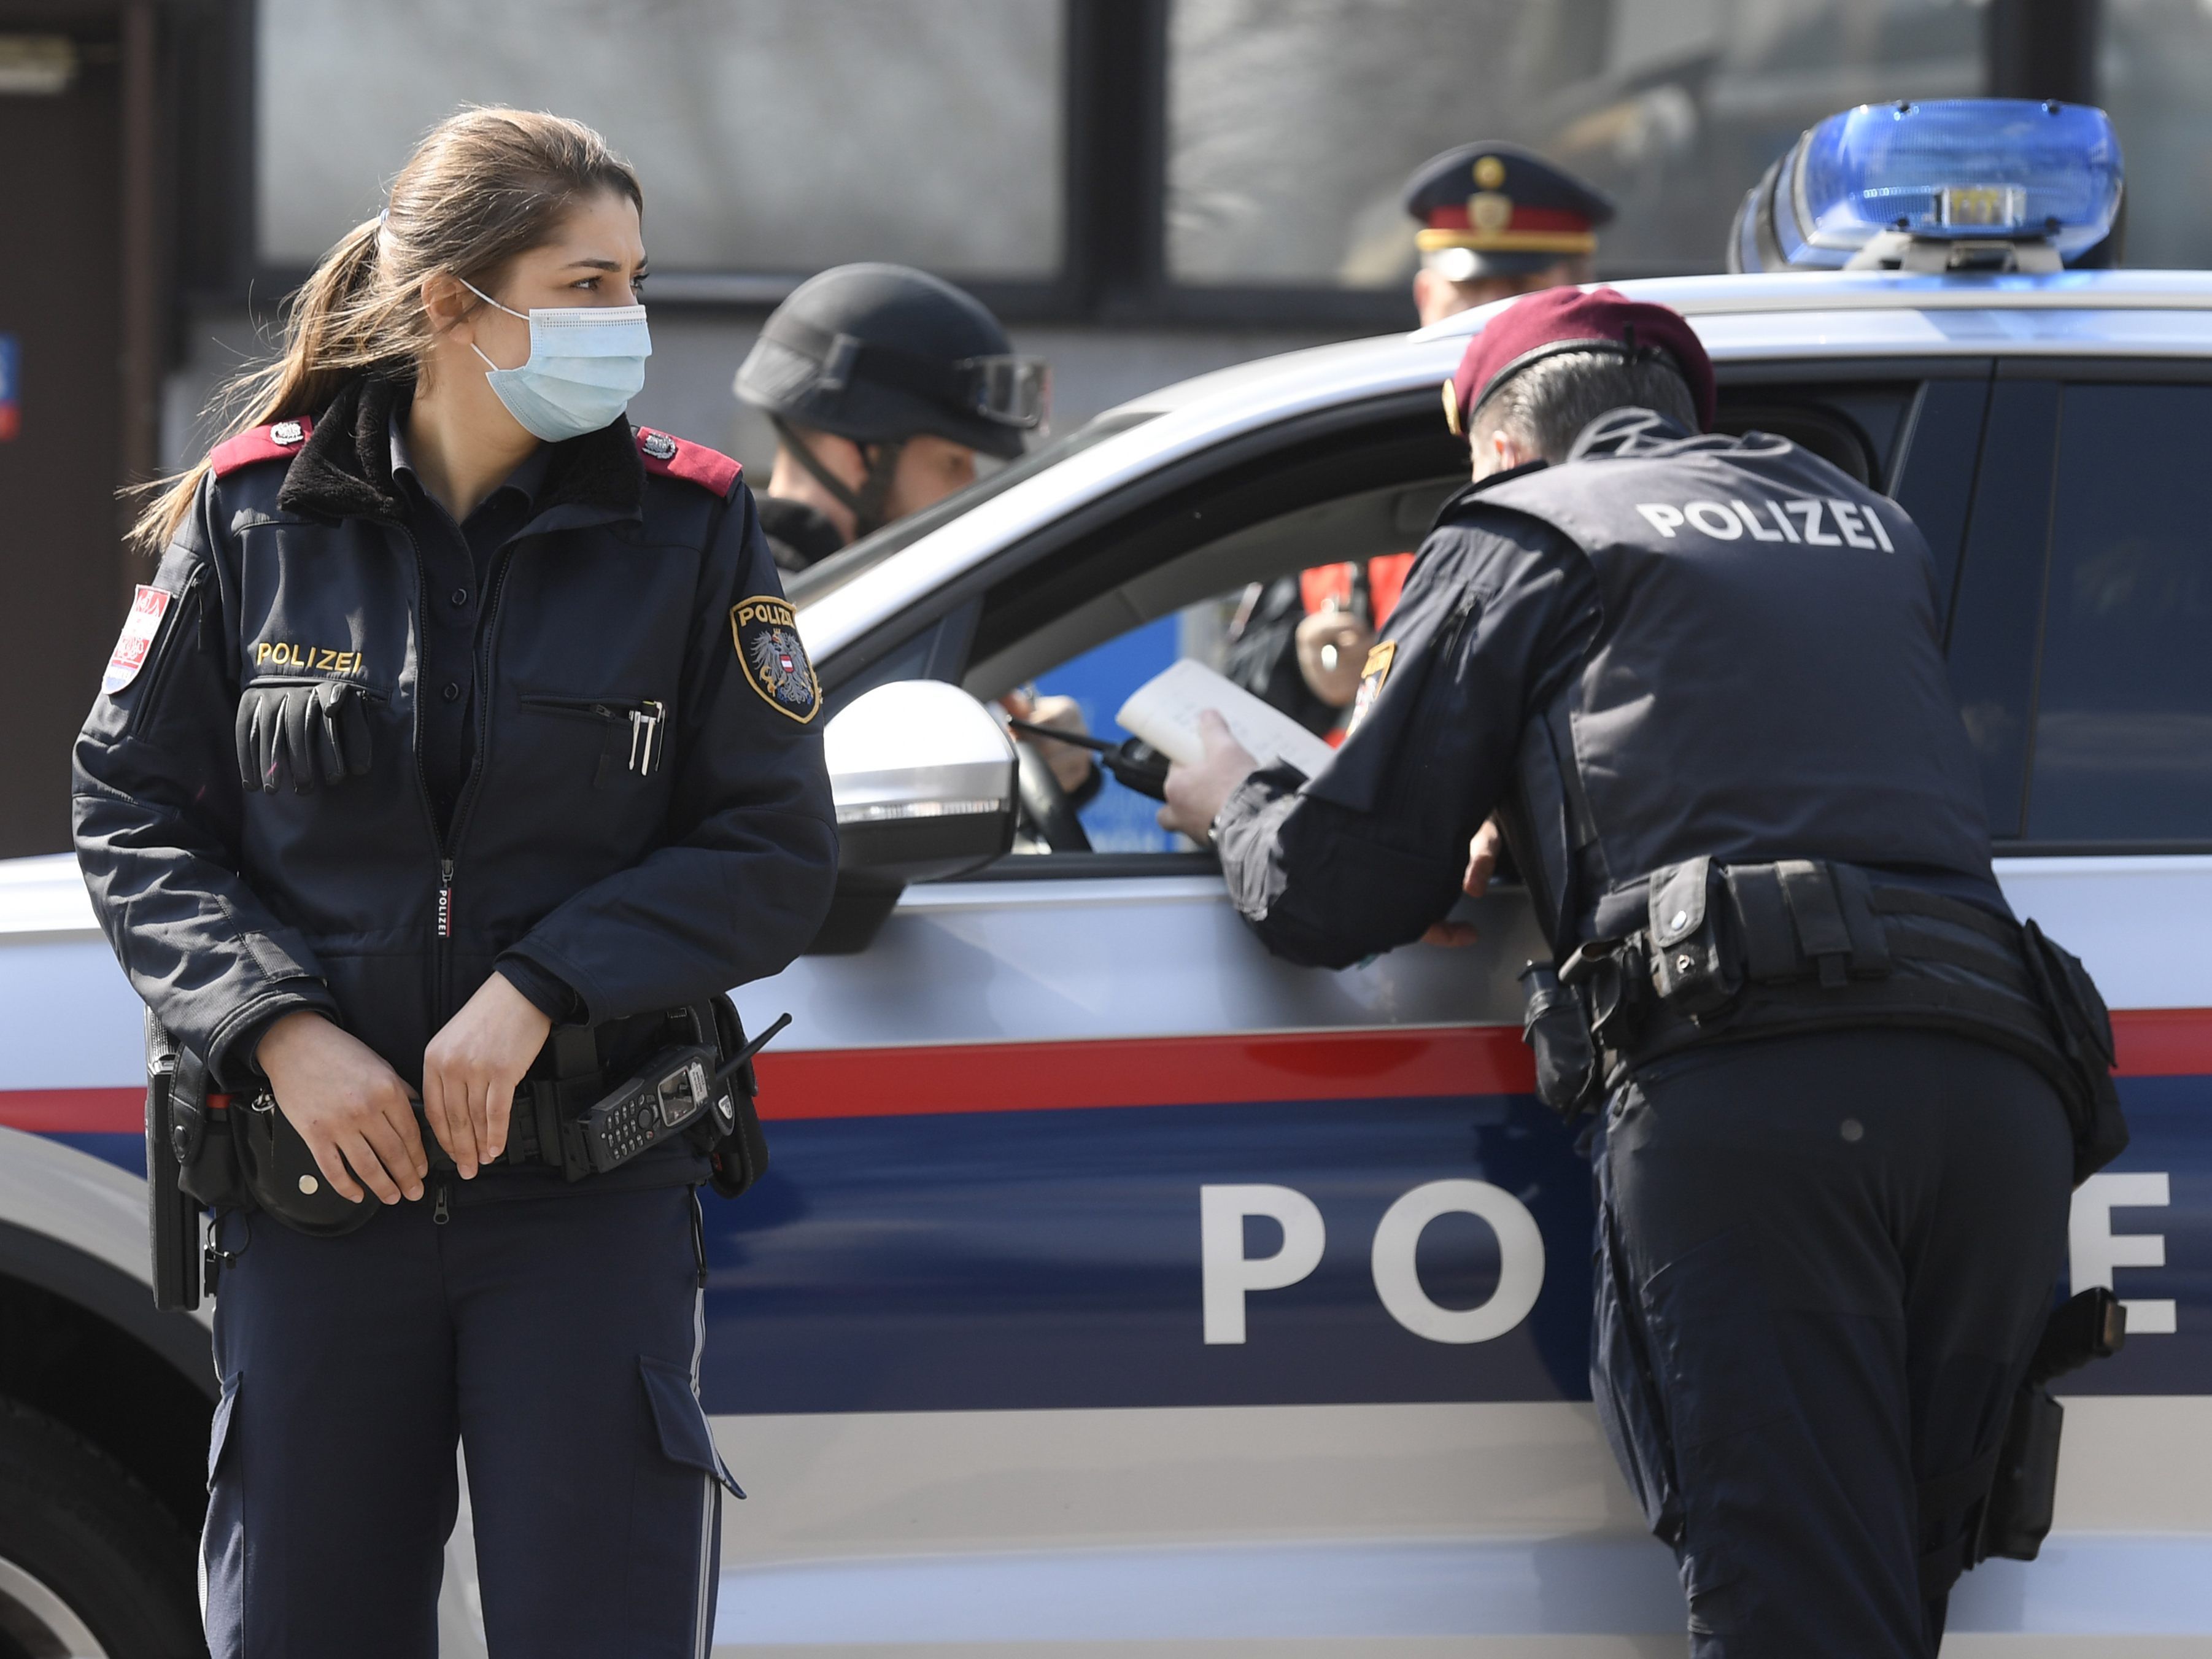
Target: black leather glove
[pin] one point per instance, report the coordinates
(288, 735)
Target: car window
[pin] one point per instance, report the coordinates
(1997, 613)
(1246, 630)
(1201, 573)
(2122, 726)
(870, 551)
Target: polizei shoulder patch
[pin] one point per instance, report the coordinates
(775, 662)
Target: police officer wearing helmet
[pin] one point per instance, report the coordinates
(457, 755)
(1841, 1093)
(883, 383)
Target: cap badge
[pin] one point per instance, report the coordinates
(658, 444)
(1489, 212)
(286, 434)
(1451, 408)
(1489, 173)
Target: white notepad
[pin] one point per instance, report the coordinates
(1164, 711)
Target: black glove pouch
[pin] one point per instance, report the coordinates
(281, 1176)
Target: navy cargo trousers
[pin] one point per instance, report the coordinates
(557, 1337)
(1823, 1263)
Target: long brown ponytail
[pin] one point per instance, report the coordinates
(482, 186)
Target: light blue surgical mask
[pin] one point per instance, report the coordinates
(585, 363)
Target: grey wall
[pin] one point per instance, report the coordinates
(696, 355)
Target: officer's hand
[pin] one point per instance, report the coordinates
(1481, 864)
(1196, 794)
(1071, 767)
(1333, 647)
(470, 1069)
(350, 1107)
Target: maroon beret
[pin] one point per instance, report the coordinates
(1561, 319)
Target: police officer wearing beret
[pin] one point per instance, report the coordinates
(1841, 1093)
(459, 752)
(1496, 221)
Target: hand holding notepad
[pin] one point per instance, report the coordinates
(1165, 711)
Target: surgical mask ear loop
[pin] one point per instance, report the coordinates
(495, 305)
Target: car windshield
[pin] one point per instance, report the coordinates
(870, 551)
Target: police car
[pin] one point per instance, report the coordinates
(1115, 1284)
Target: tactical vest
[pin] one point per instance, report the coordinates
(1738, 816)
(1767, 681)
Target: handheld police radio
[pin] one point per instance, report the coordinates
(676, 1089)
(1134, 766)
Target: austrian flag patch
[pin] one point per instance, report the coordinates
(135, 643)
(766, 632)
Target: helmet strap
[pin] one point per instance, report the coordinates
(866, 505)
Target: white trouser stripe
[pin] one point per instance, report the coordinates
(703, 1632)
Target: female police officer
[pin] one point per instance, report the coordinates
(457, 711)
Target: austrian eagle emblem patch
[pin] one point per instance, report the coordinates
(775, 662)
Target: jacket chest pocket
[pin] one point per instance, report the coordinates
(294, 732)
(632, 733)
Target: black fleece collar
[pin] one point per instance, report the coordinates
(345, 469)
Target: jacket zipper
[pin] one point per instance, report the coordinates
(443, 929)
(373, 693)
(450, 846)
(166, 647)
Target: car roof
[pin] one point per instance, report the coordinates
(1791, 316)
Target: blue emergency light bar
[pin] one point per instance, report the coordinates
(1861, 188)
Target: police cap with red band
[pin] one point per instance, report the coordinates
(1493, 209)
(1564, 319)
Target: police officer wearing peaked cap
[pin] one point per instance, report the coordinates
(1496, 221)
(459, 753)
(1699, 679)
(883, 383)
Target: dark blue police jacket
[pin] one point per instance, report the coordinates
(640, 578)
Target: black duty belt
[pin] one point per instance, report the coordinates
(1740, 951)
(598, 1097)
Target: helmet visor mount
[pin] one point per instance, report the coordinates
(870, 391)
(1013, 390)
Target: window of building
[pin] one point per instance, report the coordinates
(2157, 62)
(778, 136)
(1292, 124)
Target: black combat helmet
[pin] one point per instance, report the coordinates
(879, 354)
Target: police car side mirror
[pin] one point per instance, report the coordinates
(923, 778)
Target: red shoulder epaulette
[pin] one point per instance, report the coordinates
(279, 442)
(678, 458)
